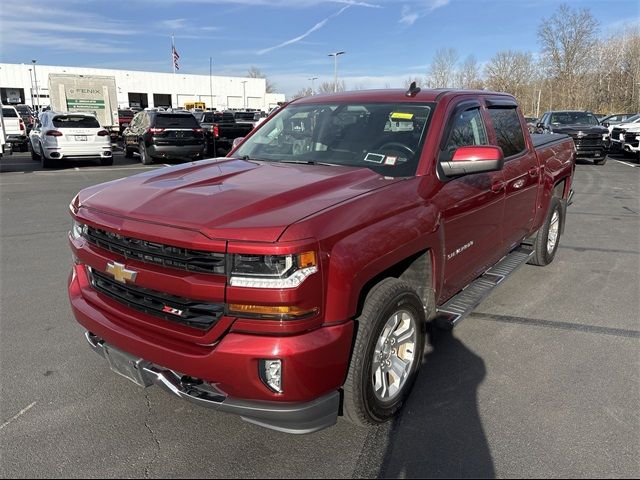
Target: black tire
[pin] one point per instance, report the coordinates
(24, 147)
(128, 153)
(35, 156)
(542, 255)
(601, 161)
(144, 156)
(360, 405)
(48, 162)
(106, 162)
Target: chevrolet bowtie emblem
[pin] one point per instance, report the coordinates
(120, 273)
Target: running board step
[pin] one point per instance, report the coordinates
(465, 302)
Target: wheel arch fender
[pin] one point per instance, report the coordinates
(395, 247)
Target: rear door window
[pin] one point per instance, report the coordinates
(509, 135)
(75, 121)
(9, 113)
(176, 121)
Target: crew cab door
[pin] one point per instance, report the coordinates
(472, 205)
(521, 170)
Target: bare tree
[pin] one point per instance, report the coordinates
(568, 39)
(442, 70)
(303, 92)
(255, 72)
(328, 87)
(468, 76)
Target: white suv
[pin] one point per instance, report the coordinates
(69, 136)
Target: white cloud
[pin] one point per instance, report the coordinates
(409, 16)
(315, 28)
(174, 24)
(61, 42)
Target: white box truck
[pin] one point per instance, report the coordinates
(94, 94)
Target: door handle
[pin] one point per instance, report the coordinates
(533, 172)
(497, 187)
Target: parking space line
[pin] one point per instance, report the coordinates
(17, 415)
(90, 169)
(627, 163)
(616, 332)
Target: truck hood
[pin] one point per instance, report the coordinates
(575, 129)
(232, 199)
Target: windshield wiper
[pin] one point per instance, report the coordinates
(308, 162)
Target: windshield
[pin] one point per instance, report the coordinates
(75, 121)
(9, 112)
(180, 120)
(573, 118)
(384, 137)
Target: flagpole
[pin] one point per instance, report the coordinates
(173, 49)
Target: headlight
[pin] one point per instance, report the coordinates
(272, 271)
(78, 230)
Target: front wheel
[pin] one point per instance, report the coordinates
(386, 354)
(601, 161)
(548, 238)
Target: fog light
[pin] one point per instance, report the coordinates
(271, 374)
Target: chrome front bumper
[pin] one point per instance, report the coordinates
(295, 418)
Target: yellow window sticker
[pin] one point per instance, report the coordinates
(401, 116)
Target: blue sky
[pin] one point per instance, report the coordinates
(386, 41)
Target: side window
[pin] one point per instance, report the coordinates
(506, 123)
(467, 130)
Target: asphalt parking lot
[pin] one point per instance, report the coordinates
(542, 381)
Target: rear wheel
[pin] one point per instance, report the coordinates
(47, 162)
(128, 153)
(548, 238)
(386, 354)
(34, 155)
(144, 156)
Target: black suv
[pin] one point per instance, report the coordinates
(588, 135)
(163, 135)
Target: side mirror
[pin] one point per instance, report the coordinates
(237, 141)
(606, 124)
(540, 126)
(476, 159)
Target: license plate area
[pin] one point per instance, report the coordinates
(126, 365)
(81, 138)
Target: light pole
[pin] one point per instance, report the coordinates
(210, 83)
(313, 90)
(31, 77)
(244, 93)
(335, 56)
(36, 82)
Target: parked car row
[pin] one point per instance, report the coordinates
(594, 138)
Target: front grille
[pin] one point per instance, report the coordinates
(616, 133)
(157, 253)
(189, 312)
(594, 140)
(632, 139)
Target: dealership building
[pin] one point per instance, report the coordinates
(29, 84)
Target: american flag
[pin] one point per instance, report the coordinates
(175, 57)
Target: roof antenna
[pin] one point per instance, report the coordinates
(413, 90)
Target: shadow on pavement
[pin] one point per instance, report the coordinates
(440, 434)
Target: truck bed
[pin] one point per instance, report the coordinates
(544, 139)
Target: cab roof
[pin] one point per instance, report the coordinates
(393, 95)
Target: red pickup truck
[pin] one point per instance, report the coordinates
(291, 282)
